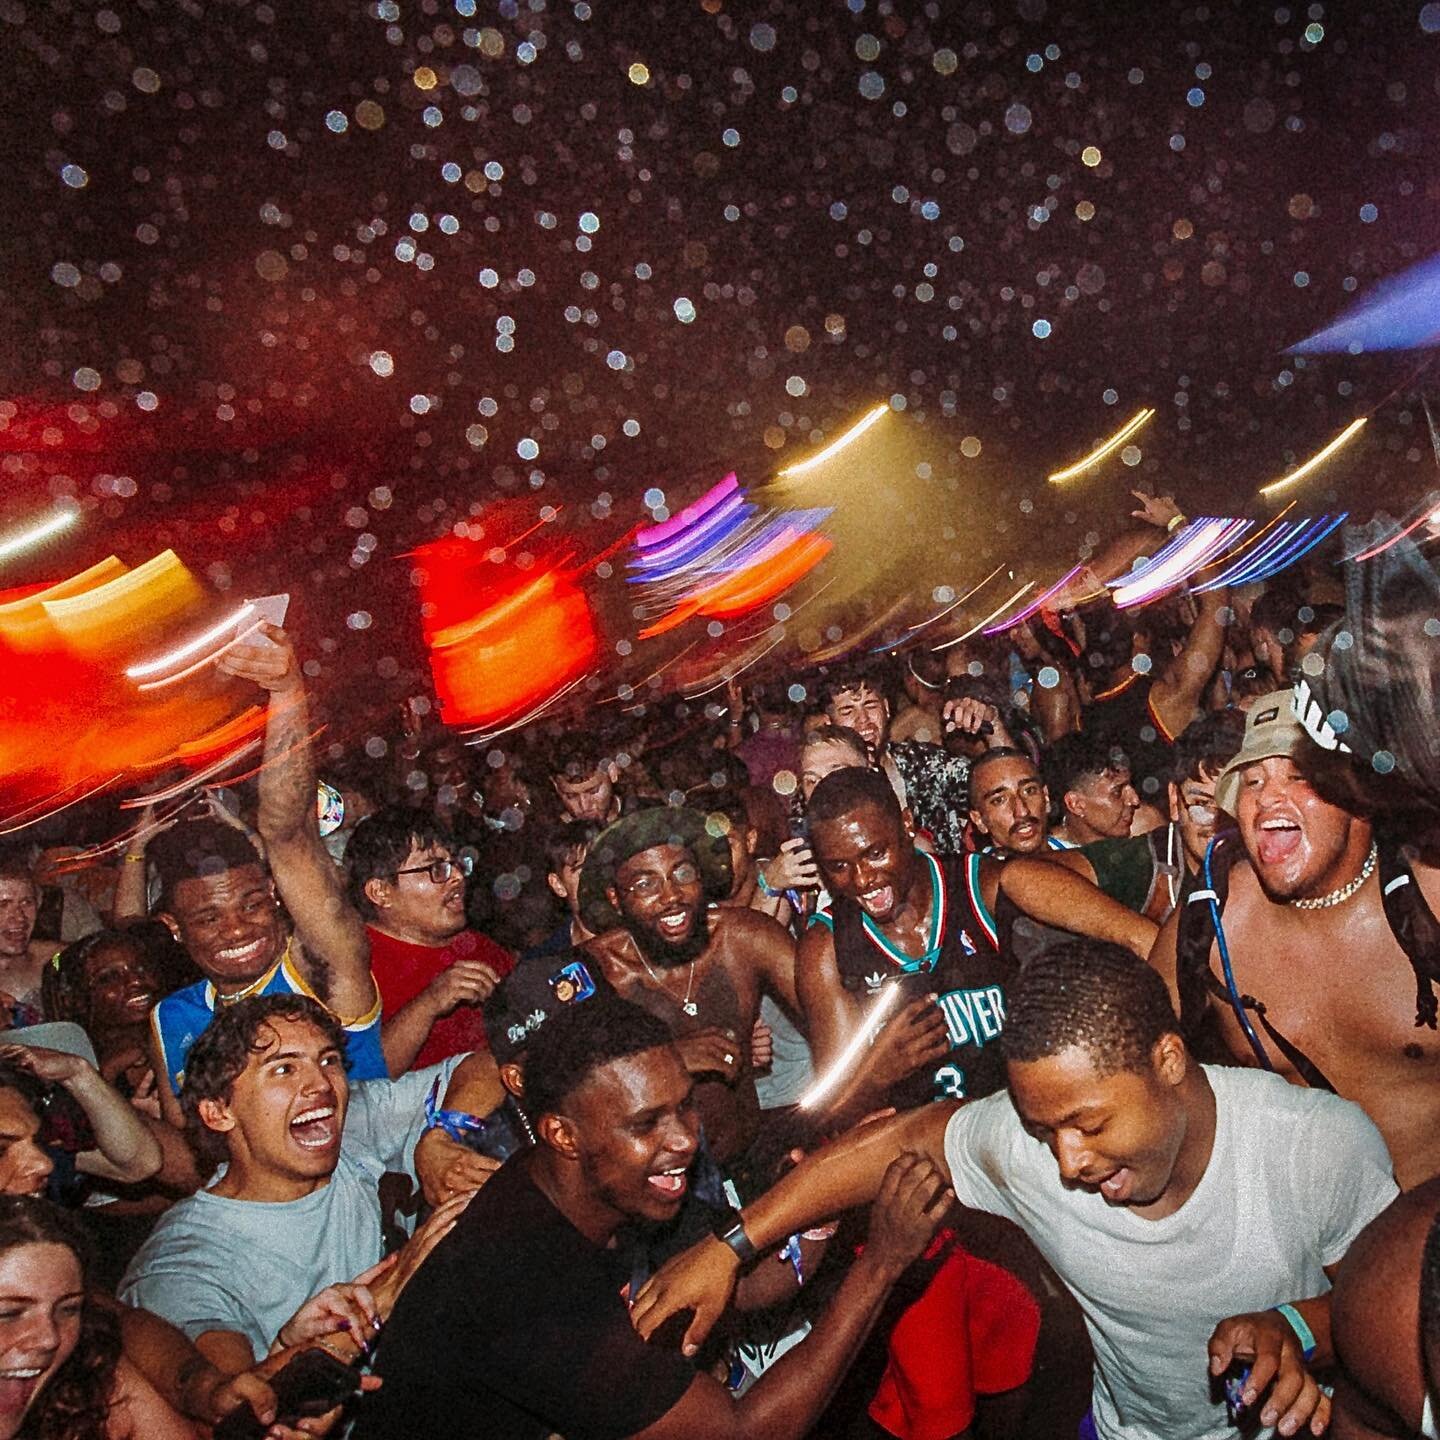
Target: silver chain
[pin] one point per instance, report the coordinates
(1340, 896)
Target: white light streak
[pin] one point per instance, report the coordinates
(191, 647)
(1319, 458)
(62, 519)
(835, 446)
(884, 1003)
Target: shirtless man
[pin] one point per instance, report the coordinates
(1385, 1323)
(22, 958)
(1328, 994)
(649, 891)
(909, 919)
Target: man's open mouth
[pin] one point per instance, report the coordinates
(1277, 839)
(675, 925)
(316, 1128)
(879, 901)
(243, 954)
(670, 1183)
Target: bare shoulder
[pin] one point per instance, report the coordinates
(746, 928)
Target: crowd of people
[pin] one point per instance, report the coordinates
(771, 1068)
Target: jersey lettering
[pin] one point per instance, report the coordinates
(973, 1017)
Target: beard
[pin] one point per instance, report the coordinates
(671, 954)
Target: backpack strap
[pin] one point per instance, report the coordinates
(1414, 927)
(1200, 903)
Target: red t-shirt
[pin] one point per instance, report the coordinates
(403, 970)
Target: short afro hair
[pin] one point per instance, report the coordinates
(842, 791)
(219, 1056)
(197, 849)
(1207, 745)
(380, 845)
(566, 1051)
(1090, 994)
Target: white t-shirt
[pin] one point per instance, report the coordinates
(213, 1263)
(1294, 1176)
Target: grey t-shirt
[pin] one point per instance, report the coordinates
(213, 1263)
(1293, 1178)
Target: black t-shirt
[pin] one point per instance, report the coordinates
(516, 1328)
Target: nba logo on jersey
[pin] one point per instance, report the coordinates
(966, 943)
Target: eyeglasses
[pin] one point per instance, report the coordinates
(648, 885)
(440, 871)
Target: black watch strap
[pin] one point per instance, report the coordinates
(736, 1238)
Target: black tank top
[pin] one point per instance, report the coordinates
(969, 977)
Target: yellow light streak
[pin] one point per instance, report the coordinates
(1319, 458)
(1104, 448)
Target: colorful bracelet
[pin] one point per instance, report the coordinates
(764, 886)
(1174, 524)
(1303, 1333)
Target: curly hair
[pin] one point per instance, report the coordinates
(220, 1055)
(1093, 995)
(75, 1404)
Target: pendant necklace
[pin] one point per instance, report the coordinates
(688, 1005)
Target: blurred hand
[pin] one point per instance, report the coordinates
(401, 1266)
(445, 1168)
(1155, 509)
(53, 1066)
(793, 868)
(350, 1307)
(762, 1046)
(711, 1052)
(913, 1199)
(915, 1039)
(466, 982)
(272, 667)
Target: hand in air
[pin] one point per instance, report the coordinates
(793, 868)
(1157, 510)
(272, 667)
(1265, 1341)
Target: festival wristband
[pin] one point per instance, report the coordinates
(764, 885)
(1303, 1333)
(455, 1123)
(1176, 521)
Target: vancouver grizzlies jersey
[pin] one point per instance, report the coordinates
(968, 975)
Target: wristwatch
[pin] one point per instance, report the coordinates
(736, 1238)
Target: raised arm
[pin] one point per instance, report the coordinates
(1055, 895)
(1176, 695)
(334, 949)
(846, 1173)
(125, 1150)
